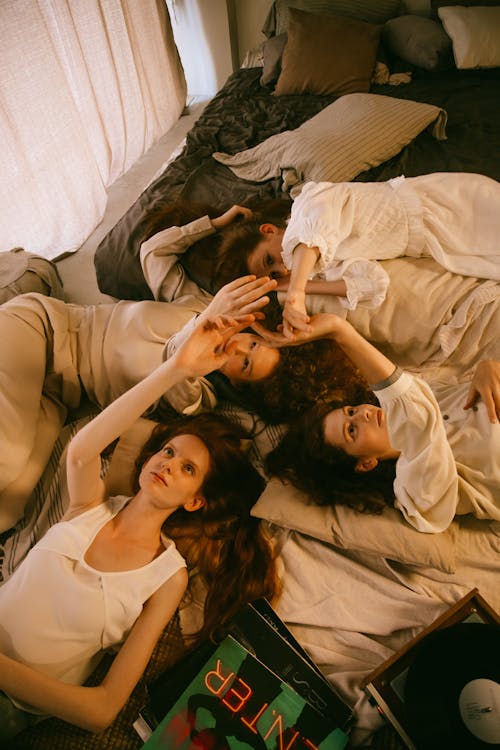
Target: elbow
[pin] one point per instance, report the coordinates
(100, 719)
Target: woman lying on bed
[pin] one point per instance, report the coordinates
(462, 314)
(433, 453)
(126, 577)
(53, 354)
(336, 232)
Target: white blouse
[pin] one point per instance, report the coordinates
(450, 458)
(452, 217)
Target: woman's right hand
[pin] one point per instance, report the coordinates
(321, 326)
(295, 317)
(486, 386)
(204, 350)
(241, 297)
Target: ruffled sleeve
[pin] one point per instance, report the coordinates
(366, 282)
(426, 484)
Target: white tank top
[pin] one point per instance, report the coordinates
(57, 613)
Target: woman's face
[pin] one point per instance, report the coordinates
(250, 358)
(360, 431)
(175, 474)
(265, 259)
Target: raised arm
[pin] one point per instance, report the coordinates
(372, 364)
(202, 352)
(159, 255)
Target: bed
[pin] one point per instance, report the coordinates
(400, 580)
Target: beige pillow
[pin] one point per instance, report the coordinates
(475, 34)
(327, 55)
(356, 132)
(387, 535)
(119, 477)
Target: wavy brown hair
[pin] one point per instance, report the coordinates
(222, 541)
(325, 473)
(239, 239)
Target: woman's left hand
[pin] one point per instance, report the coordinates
(486, 385)
(204, 350)
(247, 294)
(233, 213)
(295, 317)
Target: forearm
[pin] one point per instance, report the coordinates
(123, 412)
(303, 262)
(334, 288)
(160, 258)
(85, 707)
(373, 365)
(94, 708)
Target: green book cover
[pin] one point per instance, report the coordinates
(235, 702)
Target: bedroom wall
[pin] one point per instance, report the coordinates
(250, 17)
(213, 38)
(201, 32)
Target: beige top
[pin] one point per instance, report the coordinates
(450, 458)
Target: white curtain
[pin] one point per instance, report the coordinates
(86, 87)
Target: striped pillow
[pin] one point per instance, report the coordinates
(358, 131)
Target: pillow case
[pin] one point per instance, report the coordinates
(419, 41)
(327, 55)
(387, 535)
(272, 52)
(475, 33)
(354, 133)
(371, 11)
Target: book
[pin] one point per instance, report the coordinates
(260, 631)
(234, 702)
(385, 685)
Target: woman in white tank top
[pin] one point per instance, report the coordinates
(111, 576)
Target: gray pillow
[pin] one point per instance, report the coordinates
(272, 51)
(419, 41)
(371, 11)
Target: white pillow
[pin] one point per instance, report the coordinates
(356, 132)
(387, 535)
(475, 33)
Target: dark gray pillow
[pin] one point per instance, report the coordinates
(420, 41)
(272, 52)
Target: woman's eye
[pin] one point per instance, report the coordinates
(351, 430)
(350, 411)
(189, 468)
(168, 451)
(246, 363)
(269, 261)
(253, 345)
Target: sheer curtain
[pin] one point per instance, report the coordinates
(86, 87)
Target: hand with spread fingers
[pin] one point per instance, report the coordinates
(204, 350)
(246, 295)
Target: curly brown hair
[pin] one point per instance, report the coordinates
(314, 372)
(325, 473)
(225, 544)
